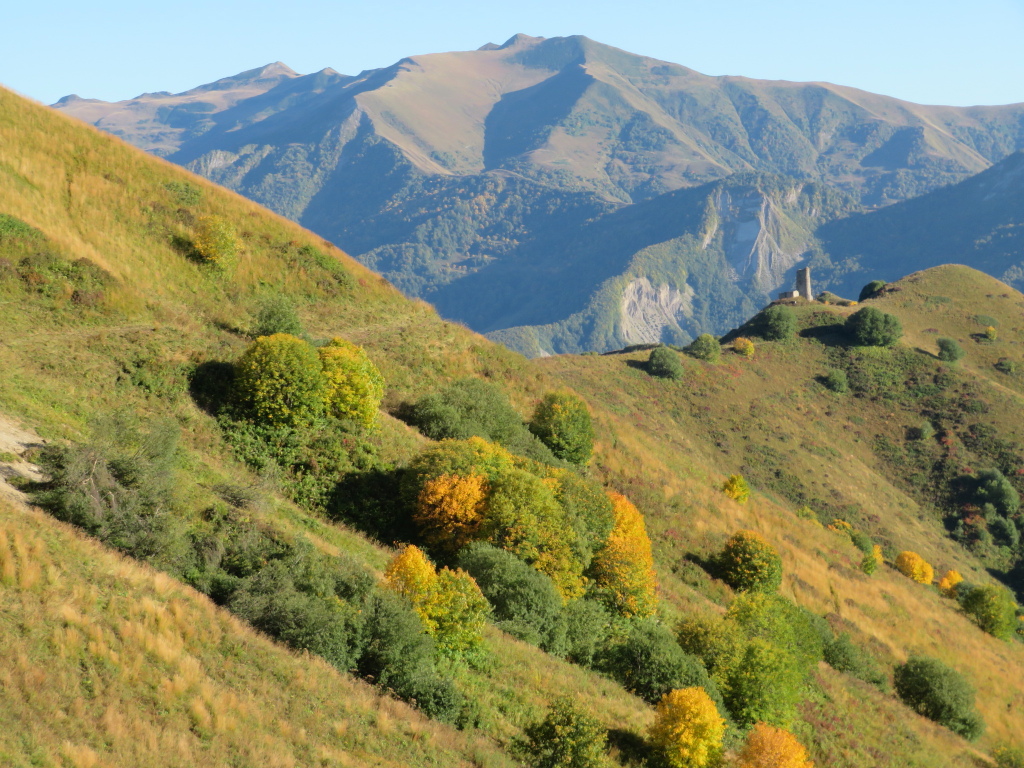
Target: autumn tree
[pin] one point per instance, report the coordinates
(748, 563)
(736, 488)
(449, 510)
(353, 386)
(770, 747)
(914, 567)
(279, 381)
(623, 569)
(947, 584)
(460, 458)
(743, 346)
(687, 729)
(562, 422)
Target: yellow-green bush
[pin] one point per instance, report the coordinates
(736, 488)
(748, 563)
(353, 387)
(279, 381)
(215, 241)
(567, 737)
(743, 346)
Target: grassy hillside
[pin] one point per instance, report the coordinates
(143, 328)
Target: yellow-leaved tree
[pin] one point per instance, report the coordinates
(687, 729)
(947, 584)
(623, 569)
(736, 488)
(353, 387)
(913, 566)
(770, 747)
(449, 510)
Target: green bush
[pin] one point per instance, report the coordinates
(783, 623)
(650, 663)
(562, 422)
(992, 608)
(587, 624)
(214, 241)
(353, 386)
(473, 407)
(588, 511)
(719, 643)
(778, 322)
(1005, 365)
(764, 686)
(277, 315)
(992, 487)
(664, 363)
(705, 347)
(1008, 756)
(843, 655)
(525, 602)
(871, 327)
(748, 563)
(279, 381)
(870, 290)
(939, 693)
(836, 381)
(949, 350)
(567, 737)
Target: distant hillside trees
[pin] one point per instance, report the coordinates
(939, 693)
(778, 323)
(705, 347)
(871, 327)
(562, 422)
(871, 289)
(664, 363)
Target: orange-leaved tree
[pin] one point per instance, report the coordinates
(947, 584)
(623, 569)
(449, 510)
(913, 566)
(687, 729)
(770, 747)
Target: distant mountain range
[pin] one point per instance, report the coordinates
(563, 195)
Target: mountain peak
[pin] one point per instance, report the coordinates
(520, 39)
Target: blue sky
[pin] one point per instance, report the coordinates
(936, 52)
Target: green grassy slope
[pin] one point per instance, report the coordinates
(76, 344)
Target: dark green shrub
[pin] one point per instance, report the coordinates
(705, 347)
(664, 363)
(843, 655)
(1005, 365)
(992, 608)
(949, 350)
(871, 327)
(277, 315)
(764, 686)
(870, 290)
(939, 693)
(279, 381)
(587, 624)
(778, 322)
(748, 563)
(862, 541)
(473, 407)
(992, 487)
(836, 381)
(562, 422)
(526, 603)
(588, 510)
(567, 737)
(650, 663)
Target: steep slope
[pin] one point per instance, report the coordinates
(140, 335)
(979, 221)
(487, 163)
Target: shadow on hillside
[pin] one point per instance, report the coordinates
(632, 748)
(210, 385)
(833, 335)
(640, 365)
(371, 501)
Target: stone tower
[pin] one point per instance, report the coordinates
(803, 283)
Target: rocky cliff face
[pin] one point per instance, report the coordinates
(648, 311)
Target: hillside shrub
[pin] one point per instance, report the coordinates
(587, 624)
(568, 737)
(783, 623)
(664, 363)
(457, 458)
(1005, 365)
(778, 323)
(705, 347)
(939, 693)
(589, 510)
(737, 489)
(1008, 756)
(991, 334)
(949, 350)
(748, 563)
(871, 327)
(768, 747)
(623, 569)
(914, 567)
(650, 663)
(279, 381)
(836, 381)
(743, 346)
(525, 602)
(871, 290)
(688, 729)
(562, 422)
(277, 314)
(472, 407)
(450, 509)
(992, 487)
(764, 686)
(214, 241)
(992, 608)
(719, 643)
(948, 583)
(353, 387)
(843, 655)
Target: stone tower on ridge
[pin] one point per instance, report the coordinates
(803, 283)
